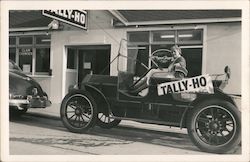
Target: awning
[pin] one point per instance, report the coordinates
(26, 20)
(157, 17)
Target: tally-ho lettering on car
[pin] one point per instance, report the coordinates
(211, 117)
(196, 84)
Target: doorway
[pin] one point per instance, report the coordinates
(86, 59)
(93, 61)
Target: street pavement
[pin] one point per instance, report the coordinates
(48, 136)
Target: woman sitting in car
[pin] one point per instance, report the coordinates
(176, 69)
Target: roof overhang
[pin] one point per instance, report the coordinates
(125, 22)
(28, 29)
(119, 16)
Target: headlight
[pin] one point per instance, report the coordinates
(188, 96)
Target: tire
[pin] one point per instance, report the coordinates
(78, 111)
(215, 126)
(106, 122)
(16, 112)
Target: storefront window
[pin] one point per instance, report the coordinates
(190, 41)
(12, 40)
(193, 57)
(29, 51)
(71, 59)
(42, 59)
(161, 46)
(25, 59)
(138, 37)
(26, 40)
(190, 36)
(12, 54)
(43, 39)
(164, 36)
(142, 57)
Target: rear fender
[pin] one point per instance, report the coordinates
(101, 101)
(217, 95)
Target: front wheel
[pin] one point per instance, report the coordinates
(215, 126)
(78, 111)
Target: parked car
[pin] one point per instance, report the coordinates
(213, 120)
(24, 91)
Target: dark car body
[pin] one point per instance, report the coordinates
(170, 109)
(24, 91)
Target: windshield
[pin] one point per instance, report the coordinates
(134, 62)
(130, 68)
(128, 58)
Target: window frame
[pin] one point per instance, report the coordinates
(33, 46)
(190, 44)
(34, 59)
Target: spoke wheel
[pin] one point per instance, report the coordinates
(78, 112)
(214, 126)
(106, 121)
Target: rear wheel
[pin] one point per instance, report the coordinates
(78, 111)
(215, 126)
(107, 122)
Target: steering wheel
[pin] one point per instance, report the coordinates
(165, 53)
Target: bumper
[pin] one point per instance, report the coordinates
(30, 102)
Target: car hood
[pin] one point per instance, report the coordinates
(18, 74)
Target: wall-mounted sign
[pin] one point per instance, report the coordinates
(25, 51)
(76, 18)
(87, 65)
(26, 68)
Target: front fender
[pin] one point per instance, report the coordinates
(218, 94)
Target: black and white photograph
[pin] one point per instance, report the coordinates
(136, 81)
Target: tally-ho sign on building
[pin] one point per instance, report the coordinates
(76, 18)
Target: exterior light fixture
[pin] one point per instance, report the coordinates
(54, 24)
(45, 40)
(167, 36)
(185, 35)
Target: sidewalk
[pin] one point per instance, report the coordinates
(52, 111)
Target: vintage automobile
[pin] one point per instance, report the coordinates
(24, 92)
(212, 119)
